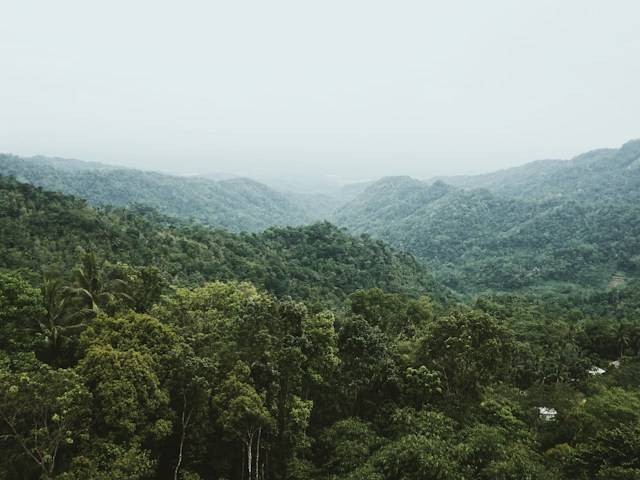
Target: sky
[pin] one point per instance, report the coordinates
(344, 89)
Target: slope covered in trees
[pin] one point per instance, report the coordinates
(548, 224)
(101, 377)
(40, 228)
(236, 204)
(477, 240)
(134, 346)
(605, 174)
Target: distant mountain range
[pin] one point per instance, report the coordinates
(547, 224)
(605, 173)
(233, 203)
(237, 204)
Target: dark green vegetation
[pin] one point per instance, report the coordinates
(45, 229)
(237, 204)
(549, 225)
(552, 225)
(138, 346)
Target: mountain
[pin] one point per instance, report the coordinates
(476, 240)
(605, 174)
(548, 224)
(236, 204)
(319, 261)
(141, 346)
(381, 204)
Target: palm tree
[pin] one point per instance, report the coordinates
(622, 336)
(62, 317)
(91, 286)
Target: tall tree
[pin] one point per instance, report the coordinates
(98, 290)
(43, 411)
(243, 414)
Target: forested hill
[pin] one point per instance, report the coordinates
(109, 372)
(605, 174)
(476, 240)
(237, 204)
(547, 225)
(41, 229)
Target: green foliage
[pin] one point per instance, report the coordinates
(44, 413)
(607, 440)
(423, 449)
(346, 445)
(319, 263)
(110, 461)
(392, 313)
(546, 225)
(469, 350)
(20, 304)
(165, 350)
(128, 397)
(242, 409)
(238, 204)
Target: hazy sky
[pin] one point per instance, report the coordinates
(356, 89)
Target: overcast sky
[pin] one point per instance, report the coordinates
(355, 89)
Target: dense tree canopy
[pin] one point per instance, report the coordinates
(133, 346)
(44, 230)
(478, 241)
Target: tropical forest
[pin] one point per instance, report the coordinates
(163, 327)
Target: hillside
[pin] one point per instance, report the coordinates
(144, 356)
(109, 371)
(236, 204)
(40, 228)
(605, 174)
(476, 240)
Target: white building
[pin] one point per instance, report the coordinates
(547, 414)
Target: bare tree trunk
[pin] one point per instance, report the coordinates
(258, 454)
(250, 455)
(184, 423)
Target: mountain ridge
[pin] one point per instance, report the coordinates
(237, 204)
(39, 227)
(568, 224)
(599, 171)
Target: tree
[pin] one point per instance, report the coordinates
(20, 306)
(129, 402)
(393, 313)
(106, 460)
(63, 318)
(425, 448)
(346, 446)
(469, 350)
(368, 372)
(191, 391)
(128, 364)
(244, 415)
(607, 439)
(97, 290)
(500, 445)
(144, 285)
(43, 411)
(623, 333)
